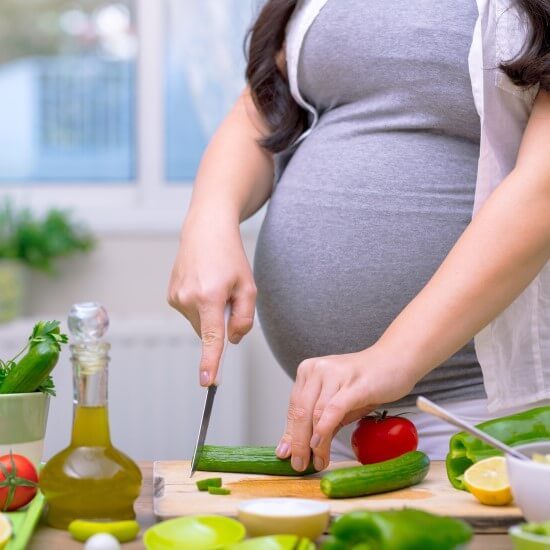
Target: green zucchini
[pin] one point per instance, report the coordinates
(32, 369)
(390, 475)
(247, 460)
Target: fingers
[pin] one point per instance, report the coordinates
(301, 414)
(330, 421)
(321, 447)
(243, 304)
(212, 332)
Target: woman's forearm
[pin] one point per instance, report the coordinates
(236, 174)
(500, 253)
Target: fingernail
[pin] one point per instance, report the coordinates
(283, 449)
(297, 463)
(319, 463)
(205, 378)
(315, 441)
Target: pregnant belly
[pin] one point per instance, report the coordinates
(350, 237)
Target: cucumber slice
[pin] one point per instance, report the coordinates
(204, 484)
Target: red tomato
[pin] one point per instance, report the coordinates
(18, 482)
(380, 437)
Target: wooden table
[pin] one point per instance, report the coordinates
(46, 538)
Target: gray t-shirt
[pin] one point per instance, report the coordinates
(371, 202)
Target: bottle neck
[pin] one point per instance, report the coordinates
(90, 377)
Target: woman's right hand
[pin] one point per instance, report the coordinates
(210, 271)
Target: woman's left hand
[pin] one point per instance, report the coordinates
(336, 390)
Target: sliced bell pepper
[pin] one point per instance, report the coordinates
(397, 529)
(516, 429)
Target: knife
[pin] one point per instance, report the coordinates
(209, 401)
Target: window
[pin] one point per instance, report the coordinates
(107, 105)
(67, 90)
(204, 72)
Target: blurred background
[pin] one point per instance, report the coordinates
(105, 109)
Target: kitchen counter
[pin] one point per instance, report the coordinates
(46, 538)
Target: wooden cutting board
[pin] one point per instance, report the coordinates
(175, 494)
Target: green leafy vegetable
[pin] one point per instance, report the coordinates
(38, 241)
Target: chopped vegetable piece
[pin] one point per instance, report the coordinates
(541, 459)
(204, 484)
(219, 491)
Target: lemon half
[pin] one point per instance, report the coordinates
(488, 481)
(5, 531)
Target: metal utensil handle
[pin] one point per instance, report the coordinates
(226, 315)
(429, 407)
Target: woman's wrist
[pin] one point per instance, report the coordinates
(395, 356)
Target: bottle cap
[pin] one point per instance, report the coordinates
(88, 321)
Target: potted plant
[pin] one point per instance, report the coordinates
(25, 389)
(29, 241)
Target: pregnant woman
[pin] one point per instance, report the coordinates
(405, 150)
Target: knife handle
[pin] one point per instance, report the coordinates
(226, 314)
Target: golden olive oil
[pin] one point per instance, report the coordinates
(90, 479)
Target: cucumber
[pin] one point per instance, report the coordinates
(219, 491)
(390, 475)
(247, 460)
(203, 484)
(32, 369)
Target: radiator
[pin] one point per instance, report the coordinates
(155, 402)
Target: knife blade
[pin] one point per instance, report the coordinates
(209, 402)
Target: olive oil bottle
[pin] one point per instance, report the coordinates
(90, 479)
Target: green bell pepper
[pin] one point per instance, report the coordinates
(516, 429)
(397, 530)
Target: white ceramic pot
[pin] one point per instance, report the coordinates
(23, 418)
(530, 482)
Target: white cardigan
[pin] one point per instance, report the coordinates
(514, 349)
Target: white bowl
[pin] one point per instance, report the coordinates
(284, 516)
(530, 482)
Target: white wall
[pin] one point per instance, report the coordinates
(129, 275)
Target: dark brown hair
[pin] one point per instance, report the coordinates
(286, 119)
(532, 65)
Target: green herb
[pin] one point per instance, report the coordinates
(203, 484)
(218, 491)
(38, 241)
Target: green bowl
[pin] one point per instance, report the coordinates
(194, 533)
(275, 542)
(528, 541)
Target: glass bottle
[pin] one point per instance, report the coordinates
(90, 479)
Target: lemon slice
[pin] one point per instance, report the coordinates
(5, 531)
(488, 481)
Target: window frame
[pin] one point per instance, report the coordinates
(149, 202)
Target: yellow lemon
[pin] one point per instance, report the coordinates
(5, 531)
(488, 481)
